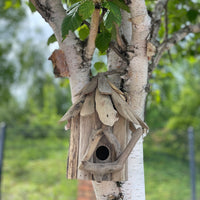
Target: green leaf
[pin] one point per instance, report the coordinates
(103, 40)
(74, 6)
(31, 6)
(17, 4)
(113, 33)
(51, 39)
(11, 4)
(8, 4)
(121, 4)
(86, 9)
(113, 15)
(192, 15)
(100, 67)
(109, 18)
(83, 32)
(71, 2)
(72, 21)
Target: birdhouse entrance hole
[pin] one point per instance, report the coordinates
(102, 153)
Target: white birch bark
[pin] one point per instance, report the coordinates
(134, 188)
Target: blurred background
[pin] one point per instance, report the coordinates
(32, 101)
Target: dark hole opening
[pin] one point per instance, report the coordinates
(102, 153)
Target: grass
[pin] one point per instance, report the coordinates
(35, 169)
(167, 177)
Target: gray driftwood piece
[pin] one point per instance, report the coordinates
(88, 107)
(126, 111)
(72, 164)
(87, 125)
(103, 85)
(74, 109)
(90, 87)
(104, 107)
(121, 132)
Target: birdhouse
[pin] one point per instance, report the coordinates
(100, 121)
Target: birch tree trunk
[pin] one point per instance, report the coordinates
(136, 34)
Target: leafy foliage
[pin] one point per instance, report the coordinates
(31, 6)
(72, 21)
(86, 9)
(103, 40)
(82, 10)
(114, 10)
(98, 67)
(11, 4)
(121, 4)
(51, 39)
(83, 32)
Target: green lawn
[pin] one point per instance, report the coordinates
(166, 177)
(35, 169)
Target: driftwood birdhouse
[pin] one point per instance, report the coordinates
(100, 121)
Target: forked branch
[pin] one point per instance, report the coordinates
(173, 40)
(156, 18)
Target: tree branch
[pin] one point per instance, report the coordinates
(45, 10)
(93, 34)
(174, 39)
(156, 19)
(166, 22)
(181, 34)
(119, 39)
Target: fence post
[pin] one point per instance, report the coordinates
(2, 138)
(192, 162)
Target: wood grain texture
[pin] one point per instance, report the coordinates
(74, 110)
(123, 108)
(87, 125)
(120, 130)
(88, 107)
(103, 85)
(72, 165)
(107, 114)
(88, 88)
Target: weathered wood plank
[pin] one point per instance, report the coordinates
(116, 90)
(113, 141)
(74, 110)
(88, 107)
(107, 114)
(88, 88)
(123, 108)
(103, 85)
(120, 130)
(87, 125)
(93, 142)
(72, 165)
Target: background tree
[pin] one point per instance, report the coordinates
(132, 53)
